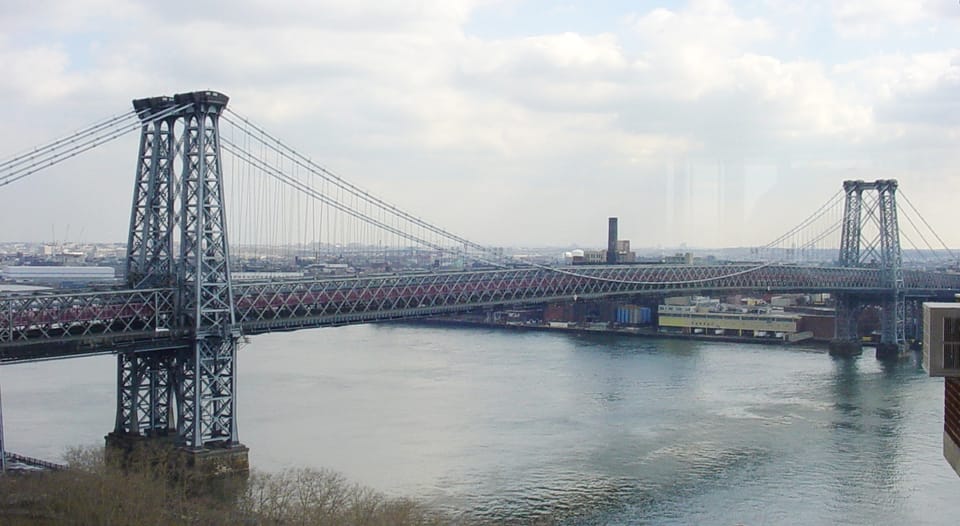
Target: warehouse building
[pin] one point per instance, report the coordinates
(707, 316)
(59, 276)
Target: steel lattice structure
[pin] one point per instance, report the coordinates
(176, 324)
(196, 376)
(858, 250)
(150, 241)
(205, 378)
(56, 324)
(893, 313)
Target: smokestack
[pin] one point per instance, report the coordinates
(612, 241)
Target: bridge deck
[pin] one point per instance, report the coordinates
(55, 324)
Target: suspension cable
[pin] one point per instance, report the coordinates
(312, 192)
(286, 179)
(907, 199)
(51, 154)
(923, 253)
(918, 231)
(66, 140)
(806, 222)
(284, 151)
(298, 158)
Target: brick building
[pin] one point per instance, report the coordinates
(941, 357)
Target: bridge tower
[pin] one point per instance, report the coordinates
(183, 388)
(859, 249)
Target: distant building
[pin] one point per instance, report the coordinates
(624, 255)
(617, 251)
(820, 326)
(589, 257)
(633, 315)
(707, 316)
(329, 269)
(788, 300)
(58, 275)
(599, 257)
(680, 258)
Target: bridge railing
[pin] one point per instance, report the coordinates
(36, 463)
(64, 315)
(918, 280)
(282, 305)
(101, 319)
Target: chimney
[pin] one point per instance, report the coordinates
(612, 241)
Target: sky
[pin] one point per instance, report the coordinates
(703, 123)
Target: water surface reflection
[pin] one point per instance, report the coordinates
(512, 427)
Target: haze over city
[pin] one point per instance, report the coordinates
(707, 123)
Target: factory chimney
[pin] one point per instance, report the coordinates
(612, 241)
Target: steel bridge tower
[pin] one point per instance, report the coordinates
(858, 249)
(183, 387)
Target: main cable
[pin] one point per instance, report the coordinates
(15, 169)
(315, 169)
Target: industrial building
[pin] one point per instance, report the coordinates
(707, 316)
(617, 251)
(633, 315)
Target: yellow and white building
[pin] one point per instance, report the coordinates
(704, 316)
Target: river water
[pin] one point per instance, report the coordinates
(513, 427)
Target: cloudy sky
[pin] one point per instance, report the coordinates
(705, 122)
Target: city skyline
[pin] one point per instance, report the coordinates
(705, 123)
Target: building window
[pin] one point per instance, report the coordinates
(951, 343)
(951, 355)
(951, 329)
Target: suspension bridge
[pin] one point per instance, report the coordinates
(176, 323)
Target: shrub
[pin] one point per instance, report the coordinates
(147, 490)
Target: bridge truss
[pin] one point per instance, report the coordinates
(176, 324)
(55, 324)
(859, 249)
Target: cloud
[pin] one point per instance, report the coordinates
(701, 25)
(914, 97)
(863, 19)
(404, 99)
(35, 75)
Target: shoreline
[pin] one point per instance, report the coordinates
(644, 333)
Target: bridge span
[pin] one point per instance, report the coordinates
(49, 325)
(176, 324)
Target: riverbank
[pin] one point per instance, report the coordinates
(595, 330)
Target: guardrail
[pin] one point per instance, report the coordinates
(34, 462)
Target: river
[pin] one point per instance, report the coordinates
(517, 426)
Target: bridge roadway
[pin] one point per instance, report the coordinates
(56, 324)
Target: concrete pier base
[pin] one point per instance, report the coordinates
(890, 351)
(842, 348)
(128, 450)
(216, 462)
(216, 470)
